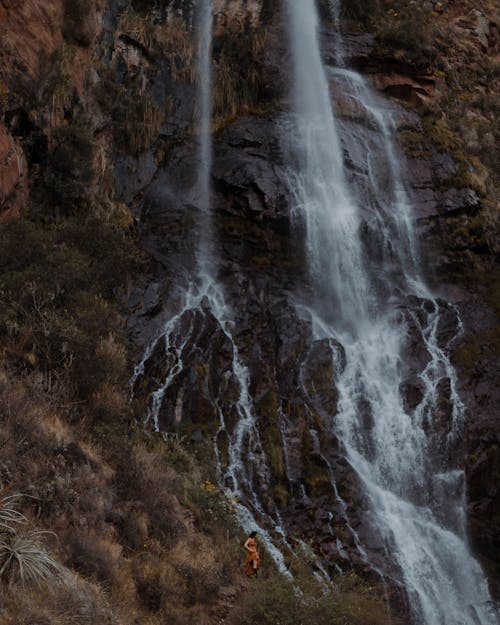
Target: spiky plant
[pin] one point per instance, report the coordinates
(24, 559)
(10, 517)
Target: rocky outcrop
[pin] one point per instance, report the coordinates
(146, 65)
(260, 266)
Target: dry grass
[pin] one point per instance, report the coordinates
(112, 358)
(171, 40)
(174, 41)
(127, 527)
(144, 127)
(109, 403)
(55, 85)
(408, 25)
(136, 118)
(276, 601)
(238, 75)
(24, 559)
(75, 603)
(10, 517)
(137, 27)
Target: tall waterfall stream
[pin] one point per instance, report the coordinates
(205, 296)
(416, 497)
(364, 271)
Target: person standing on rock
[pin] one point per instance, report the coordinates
(252, 563)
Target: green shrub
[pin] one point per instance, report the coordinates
(277, 601)
(59, 283)
(410, 26)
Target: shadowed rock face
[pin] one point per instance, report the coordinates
(261, 267)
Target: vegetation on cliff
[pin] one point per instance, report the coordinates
(99, 520)
(140, 532)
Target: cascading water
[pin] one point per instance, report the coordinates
(361, 284)
(204, 298)
(204, 75)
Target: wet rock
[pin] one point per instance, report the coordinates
(417, 355)
(429, 172)
(357, 47)
(442, 418)
(448, 325)
(412, 391)
(428, 203)
(261, 267)
(349, 107)
(457, 200)
(369, 535)
(197, 436)
(251, 182)
(152, 299)
(133, 175)
(319, 373)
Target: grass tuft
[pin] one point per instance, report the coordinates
(24, 559)
(10, 517)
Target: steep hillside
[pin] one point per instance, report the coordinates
(97, 225)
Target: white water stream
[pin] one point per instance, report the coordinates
(204, 297)
(204, 82)
(416, 498)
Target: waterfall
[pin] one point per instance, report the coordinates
(205, 298)
(368, 295)
(336, 12)
(204, 80)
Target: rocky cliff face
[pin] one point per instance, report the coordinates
(261, 267)
(127, 73)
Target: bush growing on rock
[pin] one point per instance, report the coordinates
(408, 25)
(278, 601)
(136, 117)
(57, 301)
(238, 80)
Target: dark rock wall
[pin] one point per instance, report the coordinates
(133, 73)
(261, 266)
